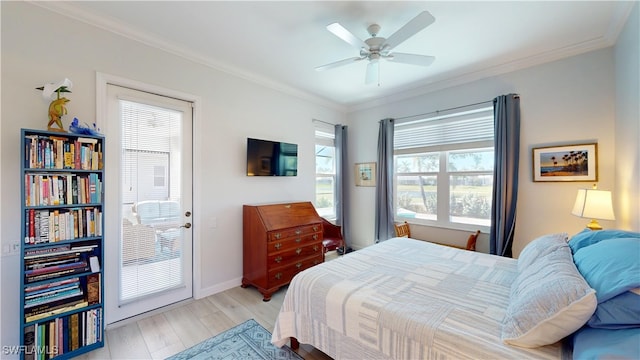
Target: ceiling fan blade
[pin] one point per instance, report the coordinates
(411, 28)
(338, 63)
(344, 34)
(413, 59)
(373, 74)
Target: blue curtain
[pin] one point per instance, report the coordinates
(384, 182)
(342, 169)
(506, 112)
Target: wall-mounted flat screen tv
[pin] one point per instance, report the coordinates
(271, 158)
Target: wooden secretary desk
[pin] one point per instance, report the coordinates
(279, 241)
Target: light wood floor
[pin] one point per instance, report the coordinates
(167, 332)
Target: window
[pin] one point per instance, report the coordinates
(444, 169)
(325, 202)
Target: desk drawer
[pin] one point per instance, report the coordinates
(293, 254)
(279, 276)
(292, 243)
(294, 232)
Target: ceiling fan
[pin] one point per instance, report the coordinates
(376, 48)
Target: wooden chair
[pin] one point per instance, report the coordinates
(402, 230)
(471, 241)
(331, 236)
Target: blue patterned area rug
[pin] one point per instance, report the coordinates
(248, 340)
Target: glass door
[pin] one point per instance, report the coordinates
(151, 262)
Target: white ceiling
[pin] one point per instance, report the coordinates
(280, 43)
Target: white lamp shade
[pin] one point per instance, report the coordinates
(594, 204)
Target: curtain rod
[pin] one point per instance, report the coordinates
(324, 122)
(449, 109)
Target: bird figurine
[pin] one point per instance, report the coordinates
(76, 128)
(57, 108)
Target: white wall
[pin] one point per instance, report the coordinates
(39, 46)
(627, 61)
(563, 102)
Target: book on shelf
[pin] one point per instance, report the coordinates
(62, 189)
(80, 248)
(51, 152)
(46, 226)
(53, 300)
(55, 268)
(44, 251)
(87, 140)
(51, 291)
(57, 311)
(93, 289)
(43, 262)
(74, 327)
(56, 274)
(29, 342)
(46, 290)
(64, 334)
(51, 285)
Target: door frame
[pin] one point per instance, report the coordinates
(102, 81)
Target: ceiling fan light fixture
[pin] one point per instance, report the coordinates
(376, 47)
(373, 30)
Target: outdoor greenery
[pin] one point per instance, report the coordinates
(465, 201)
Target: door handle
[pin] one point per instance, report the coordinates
(186, 225)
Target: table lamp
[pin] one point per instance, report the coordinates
(594, 204)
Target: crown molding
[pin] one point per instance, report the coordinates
(68, 9)
(452, 79)
(621, 12)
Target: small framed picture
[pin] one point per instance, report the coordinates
(365, 174)
(566, 163)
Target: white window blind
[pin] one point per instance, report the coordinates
(469, 126)
(325, 134)
(148, 150)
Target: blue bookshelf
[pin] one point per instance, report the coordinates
(62, 252)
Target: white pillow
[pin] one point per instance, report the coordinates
(540, 247)
(549, 300)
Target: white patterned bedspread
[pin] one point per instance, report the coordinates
(404, 299)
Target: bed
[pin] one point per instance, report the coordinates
(409, 299)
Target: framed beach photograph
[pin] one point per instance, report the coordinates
(365, 174)
(566, 163)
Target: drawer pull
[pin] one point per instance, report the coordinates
(298, 251)
(315, 228)
(315, 236)
(278, 276)
(278, 259)
(277, 236)
(278, 246)
(298, 232)
(315, 248)
(298, 265)
(298, 240)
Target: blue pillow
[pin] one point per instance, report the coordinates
(610, 267)
(589, 343)
(587, 237)
(619, 312)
